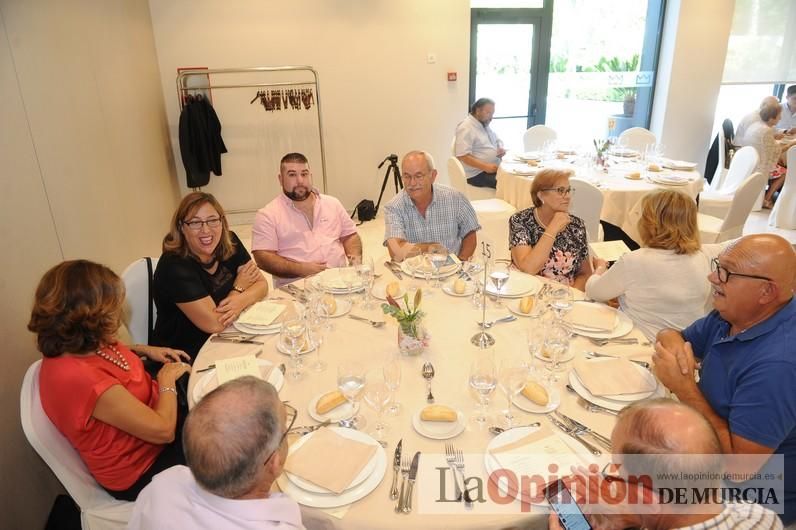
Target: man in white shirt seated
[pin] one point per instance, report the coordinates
(742, 137)
(235, 446)
(787, 123)
(653, 442)
(477, 146)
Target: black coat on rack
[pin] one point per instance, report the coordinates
(201, 144)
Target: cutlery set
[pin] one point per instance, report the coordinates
(455, 459)
(395, 269)
(596, 355)
(574, 433)
(408, 471)
(582, 429)
(591, 407)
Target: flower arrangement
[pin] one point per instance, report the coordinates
(412, 336)
(601, 146)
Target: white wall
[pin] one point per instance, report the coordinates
(86, 174)
(378, 93)
(690, 67)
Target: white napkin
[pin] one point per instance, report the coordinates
(261, 314)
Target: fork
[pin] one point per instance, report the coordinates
(404, 475)
(582, 429)
(468, 501)
(603, 342)
(450, 457)
(374, 323)
(487, 325)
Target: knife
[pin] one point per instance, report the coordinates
(396, 272)
(602, 440)
(235, 341)
(396, 470)
(412, 477)
(593, 450)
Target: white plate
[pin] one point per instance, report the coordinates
(329, 281)
(623, 326)
(308, 498)
(530, 155)
(529, 406)
(514, 307)
(519, 284)
(491, 462)
(669, 180)
(612, 404)
(679, 165)
(566, 358)
(439, 430)
(343, 307)
(308, 347)
(309, 486)
(380, 290)
(257, 330)
(344, 411)
(410, 267)
(209, 381)
(469, 288)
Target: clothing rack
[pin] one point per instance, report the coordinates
(183, 90)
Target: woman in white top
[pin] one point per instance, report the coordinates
(663, 284)
(762, 137)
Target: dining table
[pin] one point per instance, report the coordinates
(623, 181)
(452, 321)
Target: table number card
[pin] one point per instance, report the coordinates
(229, 369)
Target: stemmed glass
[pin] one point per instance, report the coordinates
(560, 300)
(378, 397)
(316, 320)
(392, 377)
(292, 336)
(367, 274)
(556, 344)
(512, 377)
(351, 382)
(438, 255)
(483, 379)
(535, 335)
(499, 276)
(427, 273)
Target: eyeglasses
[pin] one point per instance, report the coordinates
(195, 226)
(416, 178)
(724, 275)
(291, 415)
(561, 190)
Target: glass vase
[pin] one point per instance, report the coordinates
(413, 338)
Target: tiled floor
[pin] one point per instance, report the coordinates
(758, 223)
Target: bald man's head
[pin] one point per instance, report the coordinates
(769, 256)
(769, 101)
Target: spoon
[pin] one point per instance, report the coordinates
(428, 375)
(487, 325)
(497, 430)
(374, 323)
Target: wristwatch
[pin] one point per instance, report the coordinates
(236, 288)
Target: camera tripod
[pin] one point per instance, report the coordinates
(396, 176)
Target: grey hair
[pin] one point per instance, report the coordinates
(424, 154)
(229, 433)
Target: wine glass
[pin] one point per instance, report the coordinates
(560, 300)
(499, 275)
(425, 269)
(316, 320)
(367, 275)
(512, 377)
(438, 255)
(535, 335)
(378, 396)
(292, 336)
(392, 377)
(556, 344)
(483, 379)
(351, 382)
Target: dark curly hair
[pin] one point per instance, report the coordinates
(77, 308)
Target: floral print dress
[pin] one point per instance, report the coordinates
(569, 250)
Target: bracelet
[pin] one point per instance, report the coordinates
(545, 234)
(238, 289)
(168, 389)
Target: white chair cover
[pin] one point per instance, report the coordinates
(715, 230)
(717, 202)
(98, 510)
(136, 278)
(783, 215)
(587, 202)
(458, 180)
(721, 171)
(637, 138)
(535, 137)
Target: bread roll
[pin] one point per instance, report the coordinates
(653, 167)
(536, 393)
(393, 288)
(329, 401)
(526, 304)
(459, 286)
(532, 163)
(330, 304)
(438, 413)
(633, 175)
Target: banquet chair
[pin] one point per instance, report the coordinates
(717, 202)
(535, 137)
(637, 138)
(587, 203)
(453, 146)
(715, 230)
(98, 510)
(720, 173)
(458, 180)
(783, 215)
(140, 311)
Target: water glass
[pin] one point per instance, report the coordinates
(316, 320)
(482, 379)
(378, 397)
(560, 300)
(351, 382)
(438, 255)
(427, 273)
(392, 377)
(535, 335)
(292, 336)
(499, 276)
(512, 376)
(556, 344)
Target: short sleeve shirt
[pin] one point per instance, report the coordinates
(449, 218)
(476, 139)
(570, 248)
(180, 280)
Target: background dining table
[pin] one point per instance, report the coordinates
(452, 321)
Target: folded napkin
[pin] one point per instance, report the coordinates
(311, 460)
(335, 278)
(678, 164)
(611, 377)
(597, 317)
(262, 313)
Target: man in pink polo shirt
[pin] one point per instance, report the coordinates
(302, 232)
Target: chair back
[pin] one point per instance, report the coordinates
(717, 181)
(535, 137)
(743, 164)
(55, 450)
(729, 132)
(742, 203)
(783, 215)
(456, 176)
(140, 312)
(587, 203)
(637, 138)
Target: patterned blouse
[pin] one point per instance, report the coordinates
(569, 250)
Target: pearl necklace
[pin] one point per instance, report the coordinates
(118, 359)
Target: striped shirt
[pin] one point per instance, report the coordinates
(740, 516)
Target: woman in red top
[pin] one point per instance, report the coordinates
(94, 389)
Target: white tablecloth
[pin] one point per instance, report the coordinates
(621, 196)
